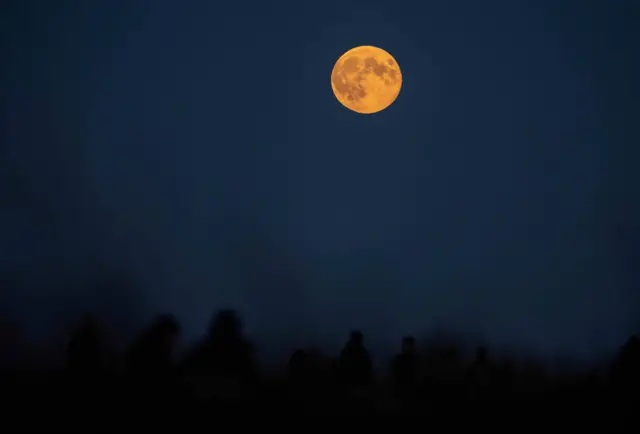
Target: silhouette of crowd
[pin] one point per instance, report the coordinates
(220, 371)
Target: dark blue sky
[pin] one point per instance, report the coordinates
(198, 145)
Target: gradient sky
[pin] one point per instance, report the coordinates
(197, 147)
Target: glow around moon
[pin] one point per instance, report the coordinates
(366, 79)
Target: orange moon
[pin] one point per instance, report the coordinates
(366, 79)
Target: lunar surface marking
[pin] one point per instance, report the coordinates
(366, 79)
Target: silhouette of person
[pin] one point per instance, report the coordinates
(504, 379)
(300, 376)
(299, 365)
(85, 351)
(224, 352)
(354, 365)
(405, 364)
(479, 374)
(441, 381)
(153, 350)
(626, 369)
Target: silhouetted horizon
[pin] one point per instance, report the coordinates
(121, 330)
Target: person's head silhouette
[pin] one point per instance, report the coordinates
(357, 338)
(225, 324)
(408, 344)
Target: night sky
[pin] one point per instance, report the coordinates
(194, 151)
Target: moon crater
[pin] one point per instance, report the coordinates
(366, 79)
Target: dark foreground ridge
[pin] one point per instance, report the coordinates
(218, 382)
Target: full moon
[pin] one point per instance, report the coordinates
(366, 79)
